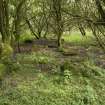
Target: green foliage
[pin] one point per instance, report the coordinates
(42, 59)
(8, 66)
(26, 36)
(76, 85)
(6, 51)
(77, 39)
(2, 70)
(85, 69)
(89, 69)
(11, 65)
(72, 83)
(35, 58)
(43, 91)
(61, 49)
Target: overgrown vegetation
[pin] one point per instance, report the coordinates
(52, 52)
(68, 86)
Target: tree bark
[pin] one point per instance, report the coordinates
(100, 9)
(4, 21)
(56, 7)
(31, 28)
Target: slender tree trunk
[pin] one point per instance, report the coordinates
(31, 28)
(56, 7)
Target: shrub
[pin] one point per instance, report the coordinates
(11, 65)
(5, 50)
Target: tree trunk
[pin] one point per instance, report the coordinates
(56, 7)
(31, 28)
(4, 21)
(100, 9)
(18, 18)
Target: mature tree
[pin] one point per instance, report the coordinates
(19, 15)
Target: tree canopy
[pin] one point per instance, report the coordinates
(42, 17)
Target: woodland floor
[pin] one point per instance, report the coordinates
(38, 79)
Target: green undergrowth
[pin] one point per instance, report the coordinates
(72, 84)
(36, 58)
(26, 36)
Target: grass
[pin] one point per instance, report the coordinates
(35, 57)
(45, 89)
(74, 37)
(77, 39)
(81, 84)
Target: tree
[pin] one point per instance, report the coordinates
(4, 21)
(37, 16)
(56, 11)
(19, 14)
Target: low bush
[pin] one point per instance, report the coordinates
(5, 51)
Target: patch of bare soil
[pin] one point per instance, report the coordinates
(35, 45)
